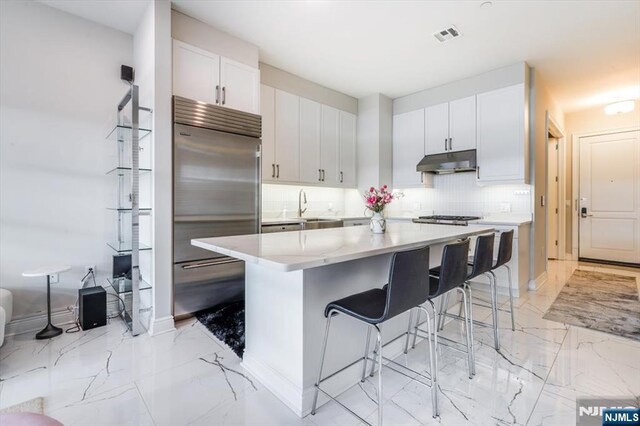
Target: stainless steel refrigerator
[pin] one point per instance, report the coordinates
(216, 192)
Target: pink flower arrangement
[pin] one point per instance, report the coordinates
(377, 199)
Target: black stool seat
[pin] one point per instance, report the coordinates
(367, 306)
(435, 272)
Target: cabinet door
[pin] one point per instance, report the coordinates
(462, 124)
(267, 110)
(436, 120)
(347, 172)
(239, 86)
(196, 73)
(408, 148)
(500, 135)
(310, 119)
(287, 136)
(329, 144)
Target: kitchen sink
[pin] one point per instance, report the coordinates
(315, 223)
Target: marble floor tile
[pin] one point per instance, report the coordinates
(189, 377)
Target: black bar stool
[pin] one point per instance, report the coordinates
(408, 288)
(451, 275)
(481, 263)
(505, 250)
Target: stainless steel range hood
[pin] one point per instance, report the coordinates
(450, 162)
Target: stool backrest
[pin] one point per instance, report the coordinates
(505, 248)
(483, 255)
(408, 281)
(453, 267)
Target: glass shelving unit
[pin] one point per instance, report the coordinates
(126, 136)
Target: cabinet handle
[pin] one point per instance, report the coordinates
(341, 177)
(319, 175)
(445, 144)
(478, 172)
(323, 175)
(224, 95)
(450, 144)
(278, 171)
(273, 170)
(217, 94)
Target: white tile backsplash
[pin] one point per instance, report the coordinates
(460, 194)
(451, 194)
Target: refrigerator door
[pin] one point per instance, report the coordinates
(216, 187)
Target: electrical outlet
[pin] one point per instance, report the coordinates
(54, 278)
(87, 268)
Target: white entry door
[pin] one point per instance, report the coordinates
(609, 207)
(553, 204)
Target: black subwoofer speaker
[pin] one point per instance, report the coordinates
(92, 307)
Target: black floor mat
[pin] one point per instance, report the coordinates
(226, 322)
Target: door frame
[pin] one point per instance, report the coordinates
(575, 187)
(556, 131)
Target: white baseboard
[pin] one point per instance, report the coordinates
(538, 282)
(161, 325)
(35, 323)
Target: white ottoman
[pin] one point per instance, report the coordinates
(6, 310)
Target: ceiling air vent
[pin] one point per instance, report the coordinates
(447, 34)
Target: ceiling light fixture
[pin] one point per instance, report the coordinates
(620, 107)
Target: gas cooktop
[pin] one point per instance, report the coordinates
(446, 219)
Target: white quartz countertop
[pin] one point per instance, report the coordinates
(295, 250)
(504, 219)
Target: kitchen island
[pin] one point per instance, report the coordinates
(289, 279)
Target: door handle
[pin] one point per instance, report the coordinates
(341, 177)
(217, 94)
(224, 95)
(273, 170)
(278, 171)
(584, 214)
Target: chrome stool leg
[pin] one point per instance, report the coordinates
(324, 350)
(470, 301)
(406, 343)
(467, 331)
(494, 310)
(444, 307)
(380, 399)
(366, 354)
(415, 329)
(433, 356)
(513, 320)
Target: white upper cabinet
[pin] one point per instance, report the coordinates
(329, 144)
(196, 73)
(238, 86)
(347, 174)
(310, 120)
(268, 112)
(462, 124)
(287, 136)
(408, 148)
(436, 120)
(207, 77)
(450, 126)
(501, 140)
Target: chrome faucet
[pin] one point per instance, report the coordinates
(301, 195)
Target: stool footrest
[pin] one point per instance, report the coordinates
(343, 406)
(475, 322)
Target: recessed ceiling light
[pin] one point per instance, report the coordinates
(619, 107)
(486, 5)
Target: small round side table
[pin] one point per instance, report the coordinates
(50, 330)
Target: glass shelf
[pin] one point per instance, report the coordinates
(122, 133)
(125, 246)
(125, 171)
(123, 285)
(143, 210)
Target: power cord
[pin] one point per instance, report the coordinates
(76, 327)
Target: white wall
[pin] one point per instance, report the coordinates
(152, 60)
(374, 141)
(59, 88)
(204, 36)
